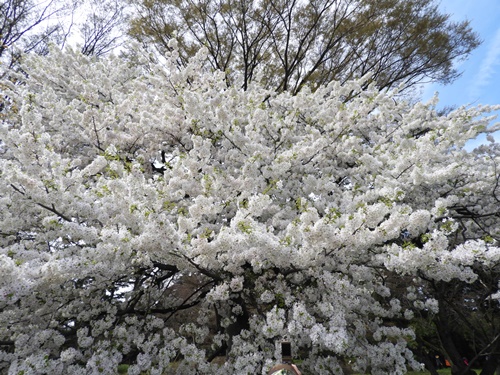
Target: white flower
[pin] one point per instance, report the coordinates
(236, 284)
(266, 296)
(303, 209)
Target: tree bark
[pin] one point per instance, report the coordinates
(492, 363)
(444, 331)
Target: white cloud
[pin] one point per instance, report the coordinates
(487, 68)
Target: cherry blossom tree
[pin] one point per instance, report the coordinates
(152, 216)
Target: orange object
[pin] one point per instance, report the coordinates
(447, 363)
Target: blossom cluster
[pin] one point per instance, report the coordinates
(152, 216)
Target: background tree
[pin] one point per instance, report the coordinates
(286, 44)
(24, 24)
(467, 323)
(104, 28)
(152, 216)
(31, 26)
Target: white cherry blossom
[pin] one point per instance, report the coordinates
(152, 216)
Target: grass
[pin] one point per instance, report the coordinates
(444, 371)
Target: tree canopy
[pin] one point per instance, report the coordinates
(155, 217)
(25, 24)
(287, 44)
(283, 45)
(31, 26)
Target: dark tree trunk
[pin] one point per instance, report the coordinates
(491, 365)
(445, 334)
(241, 323)
(426, 360)
(429, 365)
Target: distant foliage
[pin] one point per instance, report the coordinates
(287, 44)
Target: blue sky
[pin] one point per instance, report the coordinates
(480, 79)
